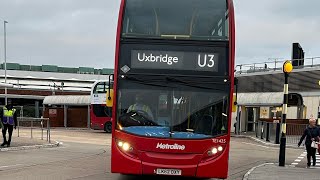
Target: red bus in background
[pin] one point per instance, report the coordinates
(100, 114)
(173, 87)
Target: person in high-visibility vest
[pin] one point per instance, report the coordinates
(9, 120)
(140, 106)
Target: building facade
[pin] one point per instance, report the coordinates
(29, 85)
(260, 96)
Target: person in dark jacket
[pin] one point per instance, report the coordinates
(9, 120)
(311, 133)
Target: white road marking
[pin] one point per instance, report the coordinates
(302, 156)
(259, 145)
(9, 166)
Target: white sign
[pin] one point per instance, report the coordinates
(222, 141)
(175, 60)
(52, 112)
(176, 172)
(98, 98)
(264, 112)
(169, 146)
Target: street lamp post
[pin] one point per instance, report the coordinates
(287, 68)
(5, 61)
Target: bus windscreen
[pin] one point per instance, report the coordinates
(178, 108)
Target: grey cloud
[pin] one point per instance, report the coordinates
(267, 28)
(66, 33)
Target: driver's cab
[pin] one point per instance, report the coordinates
(140, 106)
(159, 107)
(153, 106)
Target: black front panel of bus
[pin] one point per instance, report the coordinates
(174, 58)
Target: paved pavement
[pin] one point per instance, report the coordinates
(85, 154)
(274, 172)
(296, 170)
(25, 141)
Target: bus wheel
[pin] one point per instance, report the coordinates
(108, 127)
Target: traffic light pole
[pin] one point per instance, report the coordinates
(282, 153)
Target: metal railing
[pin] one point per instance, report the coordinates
(275, 64)
(270, 132)
(35, 123)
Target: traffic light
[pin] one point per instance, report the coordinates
(297, 55)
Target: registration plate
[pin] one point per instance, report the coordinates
(174, 172)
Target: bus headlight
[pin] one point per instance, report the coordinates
(127, 149)
(124, 146)
(214, 150)
(212, 153)
(120, 143)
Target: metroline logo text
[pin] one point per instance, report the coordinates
(159, 58)
(168, 146)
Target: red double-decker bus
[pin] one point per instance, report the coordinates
(100, 113)
(173, 86)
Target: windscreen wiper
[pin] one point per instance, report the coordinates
(192, 83)
(144, 82)
(145, 117)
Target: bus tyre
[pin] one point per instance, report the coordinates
(108, 127)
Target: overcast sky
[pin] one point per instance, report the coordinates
(82, 32)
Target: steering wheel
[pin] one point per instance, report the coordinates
(146, 119)
(142, 113)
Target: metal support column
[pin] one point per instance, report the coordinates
(89, 117)
(5, 61)
(65, 115)
(37, 109)
(238, 121)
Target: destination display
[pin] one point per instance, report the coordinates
(174, 60)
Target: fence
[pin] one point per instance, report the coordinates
(275, 65)
(35, 123)
(271, 132)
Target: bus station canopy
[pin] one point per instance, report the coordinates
(266, 99)
(79, 100)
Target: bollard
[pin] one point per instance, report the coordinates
(262, 126)
(277, 141)
(18, 128)
(41, 129)
(257, 129)
(31, 128)
(49, 131)
(268, 132)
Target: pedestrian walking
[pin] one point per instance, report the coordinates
(9, 120)
(311, 136)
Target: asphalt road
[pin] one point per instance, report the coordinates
(86, 155)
